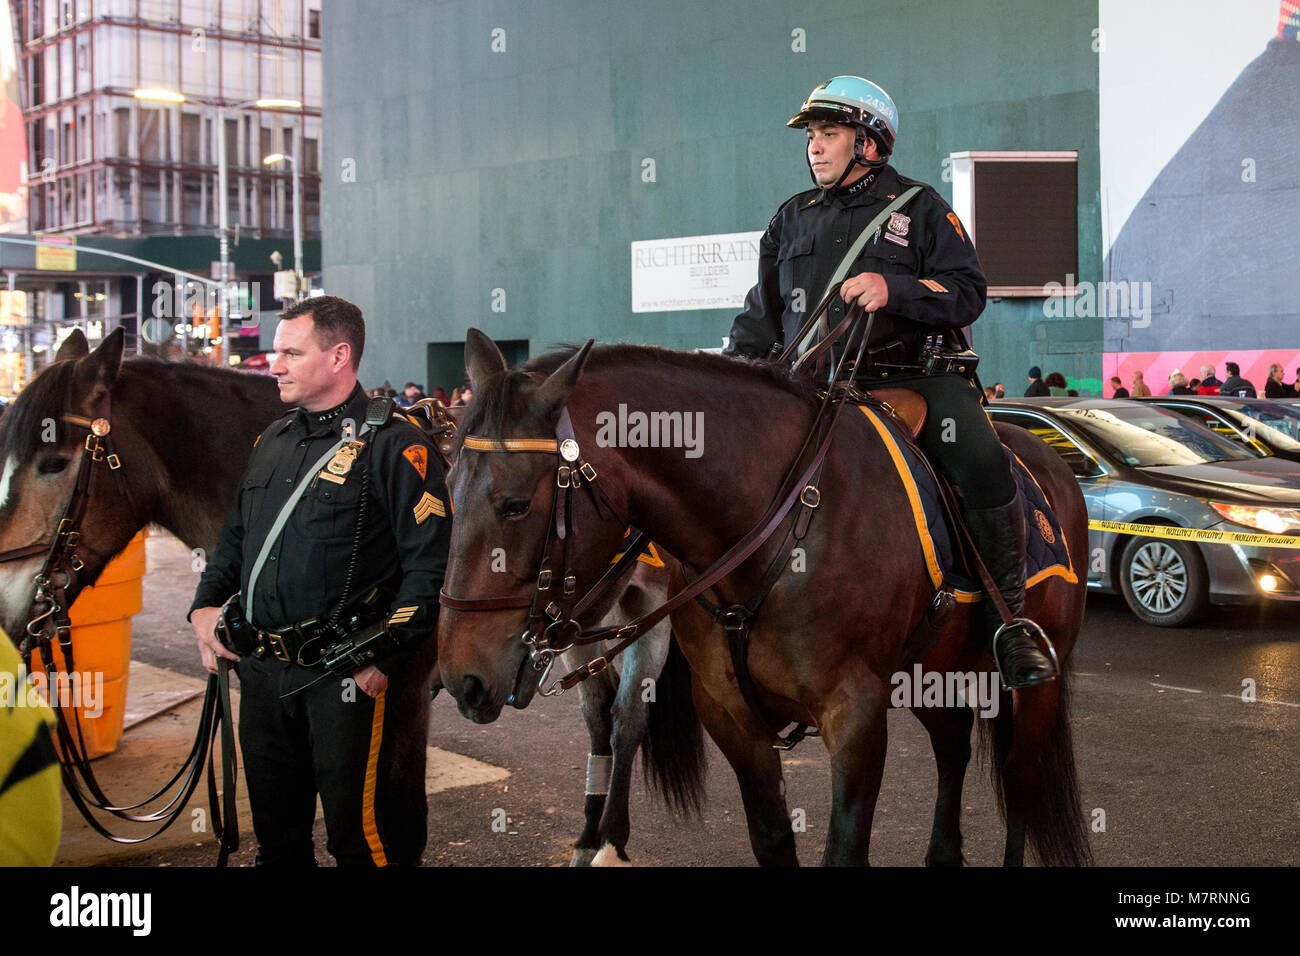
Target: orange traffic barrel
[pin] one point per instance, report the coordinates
(101, 650)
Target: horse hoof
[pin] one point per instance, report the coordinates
(582, 857)
(610, 856)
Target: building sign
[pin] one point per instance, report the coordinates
(57, 253)
(694, 272)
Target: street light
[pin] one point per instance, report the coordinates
(297, 219)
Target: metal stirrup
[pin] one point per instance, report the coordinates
(1031, 629)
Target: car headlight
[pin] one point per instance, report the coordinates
(1272, 520)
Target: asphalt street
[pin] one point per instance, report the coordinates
(1176, 768)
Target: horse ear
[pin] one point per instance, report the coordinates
(74, 346)
(483, 360)
(554, 392)
(97, 372)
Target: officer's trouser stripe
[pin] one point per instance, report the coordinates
(369, 825)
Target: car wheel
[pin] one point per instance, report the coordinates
(1164, 582)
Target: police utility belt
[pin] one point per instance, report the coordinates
(344, 645)
(354, 638)
(937, 356)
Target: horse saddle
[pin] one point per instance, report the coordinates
(438, 422)
(907, 405)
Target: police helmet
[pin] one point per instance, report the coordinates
(855, 101)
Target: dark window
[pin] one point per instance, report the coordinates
(1025, 218)
(313, 24)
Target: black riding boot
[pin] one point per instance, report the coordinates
(999, 534)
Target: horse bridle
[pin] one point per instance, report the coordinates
(552, 617)
(62, 564)
(799, 488)
(57, 573)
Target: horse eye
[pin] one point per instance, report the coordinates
(515, 508)
(53, 464)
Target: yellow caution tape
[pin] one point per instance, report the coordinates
(1196, 534)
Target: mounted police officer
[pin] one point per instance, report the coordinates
(337, 546)
(918, 273)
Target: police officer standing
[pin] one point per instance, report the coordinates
(919, 274)
(338, 595)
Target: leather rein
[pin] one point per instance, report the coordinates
(555, 613)
(53, 623)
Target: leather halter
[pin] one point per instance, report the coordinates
(554, 615)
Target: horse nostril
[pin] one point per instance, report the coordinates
(473, 692)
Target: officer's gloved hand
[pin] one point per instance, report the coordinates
(204, 621)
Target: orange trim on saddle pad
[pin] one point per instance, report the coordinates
(913, 496)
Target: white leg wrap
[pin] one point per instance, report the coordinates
(599, 771)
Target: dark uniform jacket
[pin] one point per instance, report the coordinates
(1237, 387)
(404, 541)
(928, 261)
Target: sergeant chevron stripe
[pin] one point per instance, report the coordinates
(428, 505)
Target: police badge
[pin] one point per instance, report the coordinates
(338, 467)
(898, 223)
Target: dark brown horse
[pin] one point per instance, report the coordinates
(828, 639)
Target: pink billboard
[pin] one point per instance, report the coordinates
(1156, 367)
(13, 132)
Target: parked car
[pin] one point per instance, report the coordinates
(1264, 424)
(1139, 463)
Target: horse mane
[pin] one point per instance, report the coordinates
(497, 398)
(50, 393)
(46, 397)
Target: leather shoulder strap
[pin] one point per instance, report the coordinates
(283, 518)
(842, 270)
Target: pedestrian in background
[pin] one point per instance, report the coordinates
(1037, 387)
(411, 394)
(1275, 387)
(1056, 383)
(1178, 384)
(1117, 384)
(1209, 384)
(1140, 388)
(1235, 385)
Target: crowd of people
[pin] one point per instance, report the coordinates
(1207, 384)
(1179, 384)
(413, 392)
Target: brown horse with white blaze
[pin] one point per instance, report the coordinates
(826, 642)
(182, 433)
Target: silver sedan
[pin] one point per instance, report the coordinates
(1141, 464)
